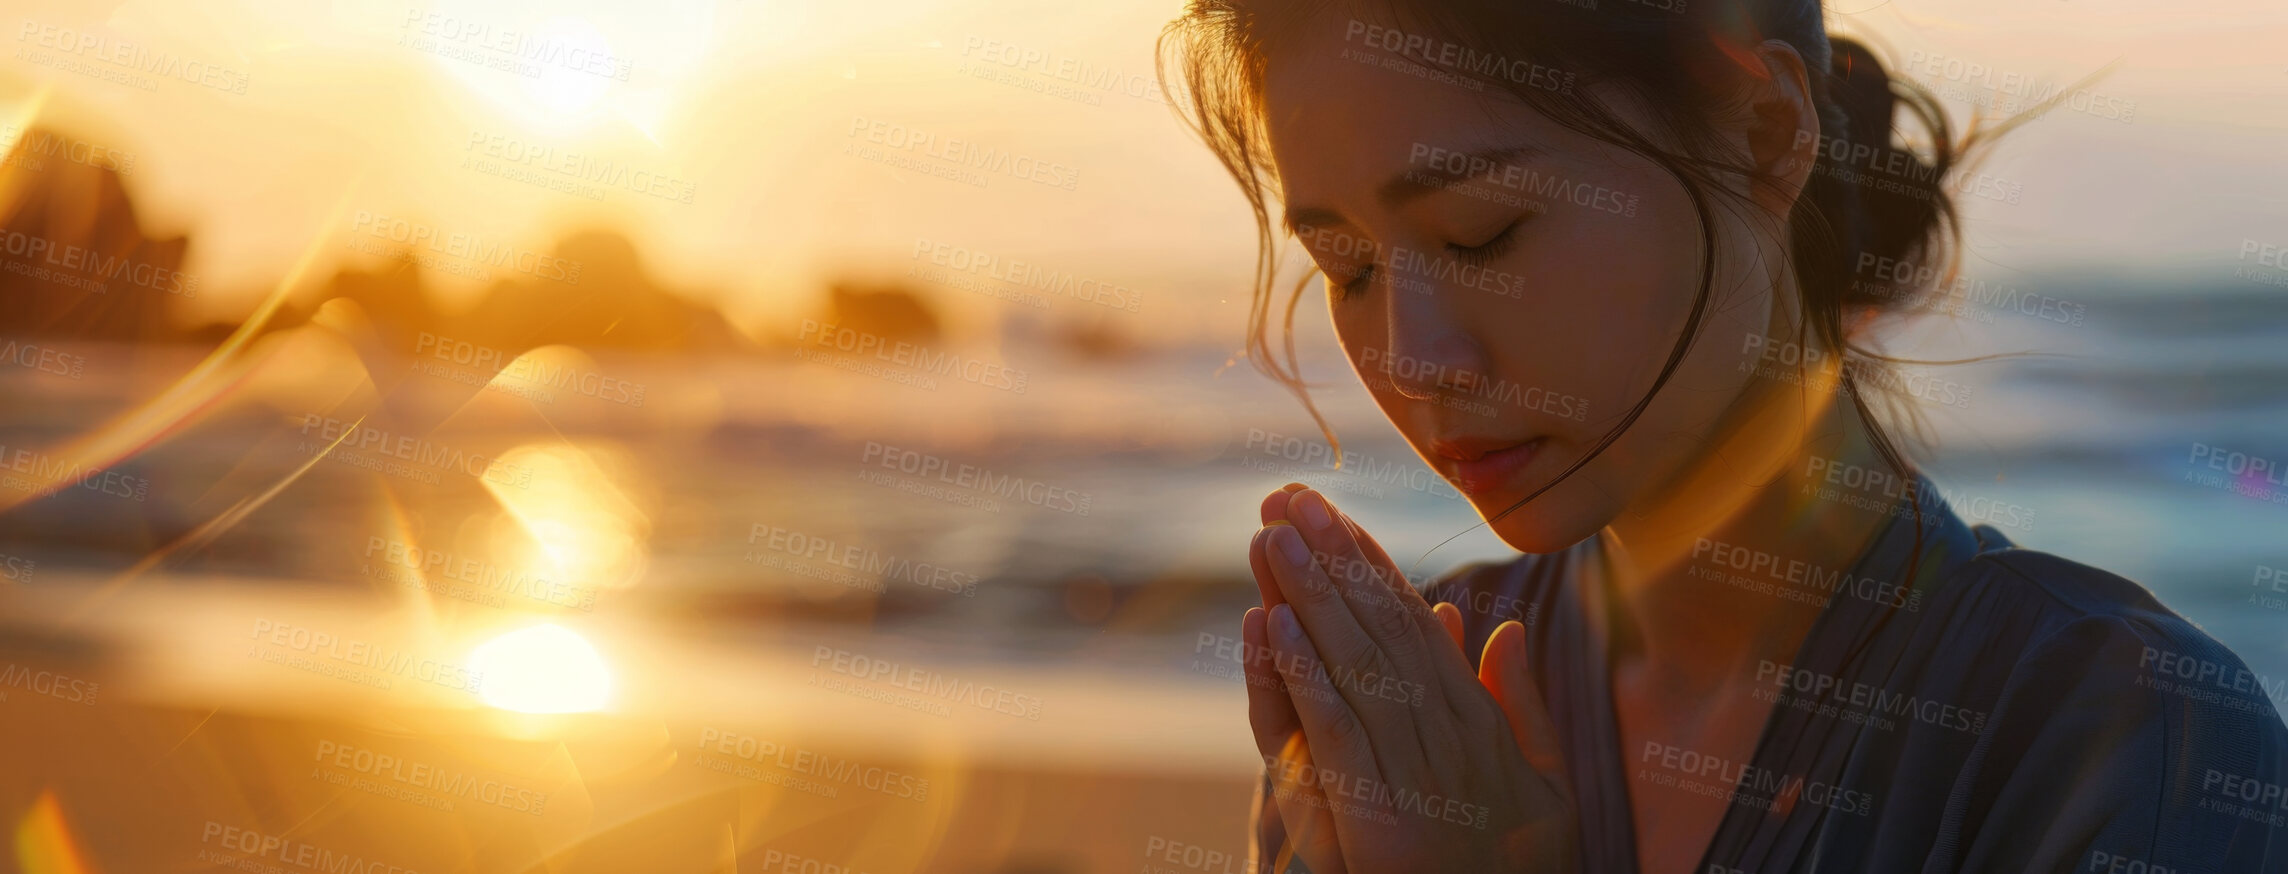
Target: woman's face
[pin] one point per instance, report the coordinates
(1508, 289)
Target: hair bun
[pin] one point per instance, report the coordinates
(1898, 197)
(1863, 89)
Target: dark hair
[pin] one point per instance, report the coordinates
(1866, 199)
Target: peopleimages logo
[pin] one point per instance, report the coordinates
(2249, 789)
(2274, 580)
(433, 778)
(1871, 488)
(43, 682)
(126, 57)
(522, 52)
(48, 144)
(955, 153)
(979, 479)
(2195, 672)
(1025, 275)
(1225, 650)
(32, 356)
(257, 844)
(65, 259)
(1475, 385)
(354, 434)
(810, 763)
(47, 472)
(875, 564)
(417, 236)
(1370, 794)
(2265, 255)
(1807, 582)
(932, 684)
(1947, 288)
(1851, 696)
(1454, 56)
(2007, 91)
(1518, 177)
(2251, 471)
(1086, 79)
(1195, 857)
(1316, 456)
(479, 575)
(1742, 783)
(919, 358)
(586, 175)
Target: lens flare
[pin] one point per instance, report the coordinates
(542, 669)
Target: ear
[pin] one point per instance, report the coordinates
(1782, 128)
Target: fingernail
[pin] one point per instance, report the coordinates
(1291, 546)
(1283, 622)
(1315, 511)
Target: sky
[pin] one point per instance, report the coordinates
(750, 146)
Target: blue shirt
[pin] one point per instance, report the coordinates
(2001, 710)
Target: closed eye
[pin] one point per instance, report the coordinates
(1478, 255)
(1346, 289)
(1494, 247)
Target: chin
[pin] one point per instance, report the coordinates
(1543, 526)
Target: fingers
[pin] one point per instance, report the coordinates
(1450, 618)
(1275, 504)
(1379, 596)
(1258, 560)
(1273, 512)
(1407, 601)
(1269, 830)
(1370, 599)
(1340, 742)
(1505, 673)
(1317, 601)
(1294, 796)
(1269, 712)
(1333, 650)
(1338, 739)
(1300, 800)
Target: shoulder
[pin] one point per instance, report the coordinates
(2110, 658)
(2070, 586)
(2081, 613)
(2142, 721)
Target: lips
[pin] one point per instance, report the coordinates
(1479, 466)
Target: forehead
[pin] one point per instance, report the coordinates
(1342, 110)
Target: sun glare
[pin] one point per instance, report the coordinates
(542, 669)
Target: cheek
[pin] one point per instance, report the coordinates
(1611, 294)
(1652, 297)
(1664, 282)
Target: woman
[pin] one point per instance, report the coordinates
(1617, 268)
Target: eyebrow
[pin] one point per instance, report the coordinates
(1415, 182)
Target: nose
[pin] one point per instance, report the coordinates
(1432, 348)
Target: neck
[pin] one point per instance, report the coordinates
(1693, 593)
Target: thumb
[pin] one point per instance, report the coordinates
(1503, 670)
(1450, 617)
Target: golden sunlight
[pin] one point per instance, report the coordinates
(542, 669)
(575, 520)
